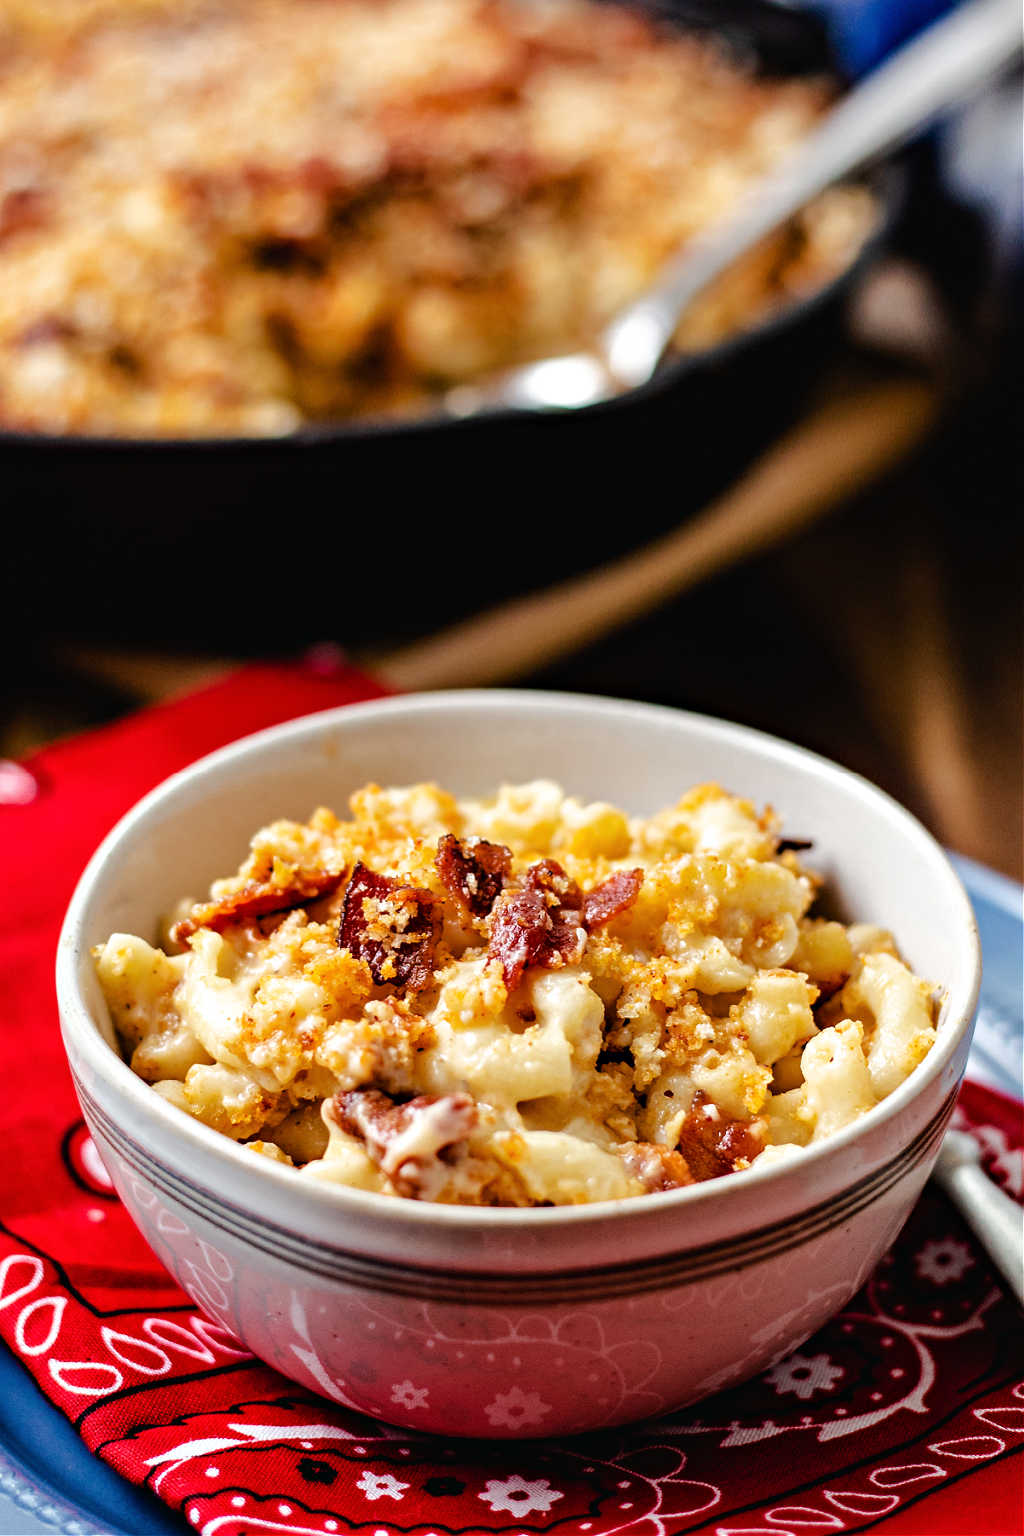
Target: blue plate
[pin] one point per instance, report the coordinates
(50, 1482)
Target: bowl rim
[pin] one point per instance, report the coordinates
(79, 1026)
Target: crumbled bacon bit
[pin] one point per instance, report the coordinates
(413, 1143)
(564, 901)
(547, 920)
(26, 208)
(474, 872)
(258, 898)
(540, 924)
(612, 897)
(394, 927)
(656, 1167)
(47, 328)
(548, 876)
(519, 934)
(713, 1144)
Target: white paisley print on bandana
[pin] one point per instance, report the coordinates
(943, 1261)
(805, 1375)
(385, 1487)
(519, 1497)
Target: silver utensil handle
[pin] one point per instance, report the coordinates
(993, 1216)
(945, 65)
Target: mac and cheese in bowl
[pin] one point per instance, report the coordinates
(521, 1000)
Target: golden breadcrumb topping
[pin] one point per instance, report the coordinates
(523, 1000)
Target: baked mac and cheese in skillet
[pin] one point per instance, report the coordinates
(521, 1000)
(236, 217)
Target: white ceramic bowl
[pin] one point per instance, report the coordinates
(506, 1322)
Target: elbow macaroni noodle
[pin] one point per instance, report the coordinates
(707, 1021)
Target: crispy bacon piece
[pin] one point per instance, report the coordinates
(564, 901)
(656, 1167)
(46, 329)
(392, 926)
(26, 208)
(539, 924)
(547, 875)
(547, 920)
(258, 898)
(612, 897)
(712, 1144)
(413, 1143)
(474, 872)
(519, 934)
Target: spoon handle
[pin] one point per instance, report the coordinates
(943, 66)
(991, 1213)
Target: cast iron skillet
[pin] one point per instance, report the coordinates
(365, 531)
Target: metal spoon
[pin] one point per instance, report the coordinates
(946, 64)
(993, 1216)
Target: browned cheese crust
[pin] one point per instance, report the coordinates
(238, 216)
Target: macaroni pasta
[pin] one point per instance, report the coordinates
(520, 1000)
